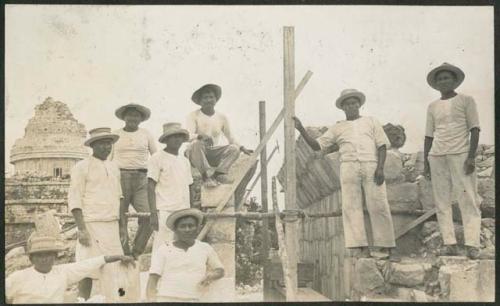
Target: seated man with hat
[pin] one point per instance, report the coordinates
(169, 177)
(362, 145)
(131, 153)
(206, 126)
(450, 153)
(178, 271)
(94, 200)
(46, 283)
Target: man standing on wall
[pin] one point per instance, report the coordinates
(94, 200)
(206, 126)
(450, 154)
(131, 153)
(362, 145)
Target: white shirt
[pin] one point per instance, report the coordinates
(213, 126)
(132, 149)
(180, 270)
(29, 286)
(358, 140)
(449, 122)
(172, 174)
(95, 188)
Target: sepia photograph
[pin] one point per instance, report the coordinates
(249, 153)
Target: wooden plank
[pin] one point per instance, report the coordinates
(283, 252)
(414, 223)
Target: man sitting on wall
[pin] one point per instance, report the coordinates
(362, 145)
(206, 126)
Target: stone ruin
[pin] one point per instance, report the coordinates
(51, 145)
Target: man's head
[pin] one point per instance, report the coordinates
(185, 223)
(132, 117)
(445, 77)
(207, 95)
(351, 106)
(43, 261)
(175, 141)
(173, 135)
(42, 251)
(101, 141)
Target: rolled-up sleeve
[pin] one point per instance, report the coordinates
(213, 260)
(471, 114)
(157, 261)
(76, 187)
(154, 168)
(81, 269)
(379, 134)
(429, 124)
(226, 129)
(327, 139)
(191, 126)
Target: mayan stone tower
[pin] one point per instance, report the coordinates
(52, 142)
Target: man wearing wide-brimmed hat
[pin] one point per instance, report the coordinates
(94, 200)
(362, 143)
(169, 177)
(451, 140)
(181, 268)
(131, 153)
(206, 127)
(44, 282)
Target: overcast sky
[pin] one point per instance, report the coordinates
(97, 58)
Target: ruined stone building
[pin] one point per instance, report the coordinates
(52, 143)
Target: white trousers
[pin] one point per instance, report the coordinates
(356, 177)
(448, 176)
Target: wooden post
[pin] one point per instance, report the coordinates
(291, 236)
(263, 198)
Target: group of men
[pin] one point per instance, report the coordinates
(126, 168)
(451, 140)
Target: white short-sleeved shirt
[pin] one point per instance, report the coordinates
(172, 174)
(358, 139)
(95, 188)
(132, 149)
(449, 122)
(214, 126)
(29, 286)
(180, 271)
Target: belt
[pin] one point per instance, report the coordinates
(134, 170)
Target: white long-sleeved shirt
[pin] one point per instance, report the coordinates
(213, 126)
(95, 188)
(29, 286)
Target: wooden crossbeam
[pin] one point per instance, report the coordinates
(415, 222)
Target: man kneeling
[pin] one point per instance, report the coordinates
(178, 270)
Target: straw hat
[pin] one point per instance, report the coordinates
(348, 93)
(145, 112)
(100, 133)
(172, 128)
(431, 76)
(39, 243)
(183, 213)
(212, 87)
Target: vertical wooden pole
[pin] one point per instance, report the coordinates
(290, 186)
(264, 198)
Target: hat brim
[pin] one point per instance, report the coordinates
(113, 138)
(183, 213)
(145, 112)
(431, 76)
(358, 95)
(165, 135)
(197, 94)
(42, 250)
